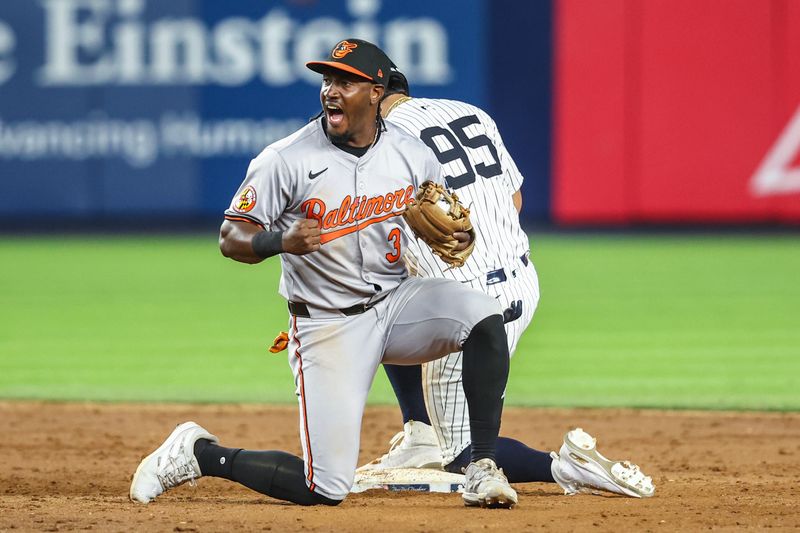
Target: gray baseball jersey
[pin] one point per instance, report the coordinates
(357, 202)
(353, 304)
(477, 165)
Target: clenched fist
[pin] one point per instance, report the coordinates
(302, 237)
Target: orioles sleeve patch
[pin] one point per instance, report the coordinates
(246, 201)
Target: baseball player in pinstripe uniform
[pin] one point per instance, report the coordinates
(327, 199)
(436, 431)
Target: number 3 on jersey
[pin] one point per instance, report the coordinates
(457, 152)
(394, 240)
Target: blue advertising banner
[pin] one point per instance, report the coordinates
(519, 93)
(145, 107)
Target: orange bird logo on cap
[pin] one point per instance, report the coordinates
(342, 49)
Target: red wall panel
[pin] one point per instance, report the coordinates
(706, 112)
(589, 100)
(700, 92)
(787, 105)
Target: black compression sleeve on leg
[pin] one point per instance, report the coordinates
(277, 474)
(214, 460)
(485, 375)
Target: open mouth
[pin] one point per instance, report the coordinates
(334, 114)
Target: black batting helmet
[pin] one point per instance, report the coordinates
(397, 82)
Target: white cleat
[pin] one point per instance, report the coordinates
(579, 467)
(414, 447)
(172, 464)
(486, 486)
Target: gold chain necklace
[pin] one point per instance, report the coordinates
(396, 103)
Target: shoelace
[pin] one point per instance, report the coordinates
(176, 475)
(487, 471)
(396, 441)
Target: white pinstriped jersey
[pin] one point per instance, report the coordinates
(480, 170)
(477, 165)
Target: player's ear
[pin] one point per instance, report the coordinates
(376, 94)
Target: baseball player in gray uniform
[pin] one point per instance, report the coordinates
(435, 413)
(327, 199)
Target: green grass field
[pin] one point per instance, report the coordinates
(648, 321)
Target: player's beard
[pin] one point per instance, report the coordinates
(343, 138)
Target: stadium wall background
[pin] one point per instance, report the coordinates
(616, 111)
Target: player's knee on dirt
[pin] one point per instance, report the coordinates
(319, 499)
(288, 481)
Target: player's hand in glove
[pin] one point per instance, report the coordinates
(464, 240)
(302, 237)
(438, 218)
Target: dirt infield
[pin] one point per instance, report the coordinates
(68, 466)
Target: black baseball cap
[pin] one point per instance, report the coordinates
(358, 57)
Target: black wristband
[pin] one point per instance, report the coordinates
(267, 243)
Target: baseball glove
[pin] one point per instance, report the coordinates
(434, 216)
